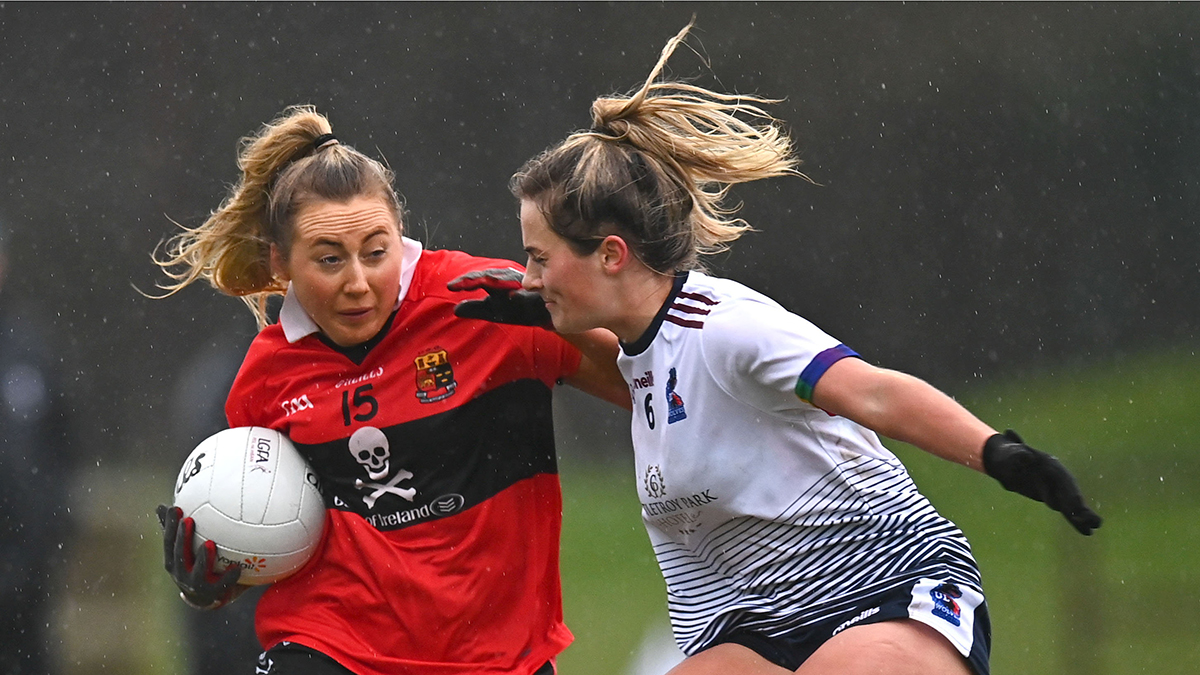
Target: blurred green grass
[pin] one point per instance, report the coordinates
(1120, 602)
(612, 589)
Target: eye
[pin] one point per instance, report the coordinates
(329, 260)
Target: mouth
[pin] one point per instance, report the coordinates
(355, 314)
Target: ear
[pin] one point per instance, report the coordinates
(278, 264)
(614, 254)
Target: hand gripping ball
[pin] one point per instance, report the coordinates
(251, 493)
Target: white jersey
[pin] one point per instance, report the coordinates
(765, 512)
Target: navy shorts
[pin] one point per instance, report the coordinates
(958, 613)
(289, 658)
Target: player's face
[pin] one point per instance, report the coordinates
(567, 281)
(344, 265)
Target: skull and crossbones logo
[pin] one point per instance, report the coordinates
(370, 449)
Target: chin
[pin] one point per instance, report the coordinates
(560, 323)
(565, 325)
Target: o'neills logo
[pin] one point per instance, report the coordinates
(361, 378)
(442, 506)
(865, 614)
(644, 382)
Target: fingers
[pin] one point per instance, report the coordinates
(183, 544)
(170, 523)
(472, 309)
(197, 576)
(1084, 520)
(494, 279)
(229, 577)
(208, 557)
(1064, 496)
(1039, 476)
(192, 571)
(209, 553)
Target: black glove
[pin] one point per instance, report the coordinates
(506, 302)
(199, 586)
(1039, 476)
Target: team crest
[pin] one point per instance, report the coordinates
(435, 376)
(675, 411)
(653, 481)
(944, 605)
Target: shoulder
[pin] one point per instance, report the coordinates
(730, 308)
(725, 296)
(450, 263)
(436, 268)
(270, 366)
(746, 327)
(263, 358)
(268, 341)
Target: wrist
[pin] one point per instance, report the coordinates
(195, 605)
(994, 451)
(233, 593)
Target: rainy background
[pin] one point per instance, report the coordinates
(1004, 205)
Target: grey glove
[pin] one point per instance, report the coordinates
(506, 301)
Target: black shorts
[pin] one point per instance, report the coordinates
(289, 658)
(963, 620)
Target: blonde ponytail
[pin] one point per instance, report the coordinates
(290, 161)
(658, 164)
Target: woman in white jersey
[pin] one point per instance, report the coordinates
(789, 537)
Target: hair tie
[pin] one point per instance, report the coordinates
(321, 140)
(606, 131)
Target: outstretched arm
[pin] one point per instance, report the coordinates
(507, 302)
(900, 406)
(908, 409)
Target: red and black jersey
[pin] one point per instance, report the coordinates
(435, 448)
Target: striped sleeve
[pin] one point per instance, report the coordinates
(817, 367)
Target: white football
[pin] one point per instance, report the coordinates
(251, 493)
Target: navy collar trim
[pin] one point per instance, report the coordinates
(643, 343)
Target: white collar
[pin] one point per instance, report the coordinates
(297, 323)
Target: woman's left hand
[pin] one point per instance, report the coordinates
(1039, 476)
(506, 301)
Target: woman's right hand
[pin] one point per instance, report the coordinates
(199, 586)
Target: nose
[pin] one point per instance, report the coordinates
(356, 278)
(530, 282)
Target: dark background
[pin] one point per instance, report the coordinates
(1002, 186)
(1005, 190)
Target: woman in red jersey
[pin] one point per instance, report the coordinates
(431, 433)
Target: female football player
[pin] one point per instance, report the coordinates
(789, 537)
(431, 434)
